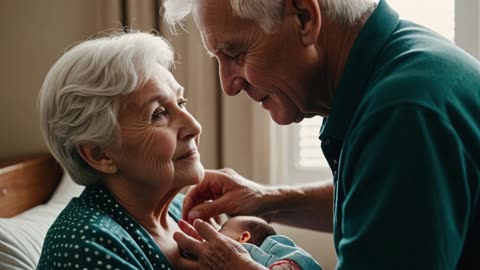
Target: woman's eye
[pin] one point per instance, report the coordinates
(159, 115)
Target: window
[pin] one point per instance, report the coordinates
(440, 19)
(299, 158)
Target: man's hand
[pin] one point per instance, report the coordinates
(223, 191)
(208, 249)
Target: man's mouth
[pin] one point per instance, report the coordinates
(263, 99)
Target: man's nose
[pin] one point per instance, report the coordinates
(232, 78)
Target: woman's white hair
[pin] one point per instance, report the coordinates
(268, 14)
(80, 97)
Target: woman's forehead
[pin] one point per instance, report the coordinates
(161, 86)
(165, 80)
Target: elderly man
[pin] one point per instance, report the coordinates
(401, 132)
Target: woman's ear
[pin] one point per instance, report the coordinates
(245, 237)
(96, 158)
(308, 17)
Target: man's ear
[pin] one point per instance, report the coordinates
(96, 158)
(308, 17)
(245, 237)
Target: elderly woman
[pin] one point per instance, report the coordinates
(114, 117)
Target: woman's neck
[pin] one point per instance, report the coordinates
(147, 205)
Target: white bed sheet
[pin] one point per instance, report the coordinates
(21, 237)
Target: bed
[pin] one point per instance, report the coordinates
(33, 191)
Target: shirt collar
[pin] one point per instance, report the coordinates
(358, 70)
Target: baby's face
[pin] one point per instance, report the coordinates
(233, 228)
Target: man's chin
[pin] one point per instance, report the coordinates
(282, 121)
(299, 118)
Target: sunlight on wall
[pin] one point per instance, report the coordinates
(437, 15)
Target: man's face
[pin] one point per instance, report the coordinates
(273, 70)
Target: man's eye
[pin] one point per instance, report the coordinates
(239, 58)
(235, 56)
(182, 102)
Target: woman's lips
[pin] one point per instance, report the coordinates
(192, 154)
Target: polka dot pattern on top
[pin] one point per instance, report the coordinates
(95, 232)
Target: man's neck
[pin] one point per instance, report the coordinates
(336, 41)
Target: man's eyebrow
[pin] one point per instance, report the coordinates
(179, 91)
(213, 53)
(210, 54)
(221, 46)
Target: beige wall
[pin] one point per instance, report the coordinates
(34, 34)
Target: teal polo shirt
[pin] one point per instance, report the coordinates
(403, 141)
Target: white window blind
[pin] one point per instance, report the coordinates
(300, 158)
(309, 154)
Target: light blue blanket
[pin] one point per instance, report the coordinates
(277, 247)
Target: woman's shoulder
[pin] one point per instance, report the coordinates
(79, 219)
(85, 236)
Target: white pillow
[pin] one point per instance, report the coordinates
(21, 236)
(66, 190)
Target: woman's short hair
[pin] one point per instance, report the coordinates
(269, 14)
(80, 97)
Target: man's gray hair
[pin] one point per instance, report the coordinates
(80, 98)
(269, 14)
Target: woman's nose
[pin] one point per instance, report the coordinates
(190, 128)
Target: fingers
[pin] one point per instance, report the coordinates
(188, 204)
(210, 188)
(187, 264)
(216, 222)
(189, 230)
(188, 244)
(205, 230)
(207, 210)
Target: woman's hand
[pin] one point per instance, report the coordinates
(223, 191)
(205, 248)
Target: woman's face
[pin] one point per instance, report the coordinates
(159, 138)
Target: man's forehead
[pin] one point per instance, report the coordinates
(212, 7)
(212, 14)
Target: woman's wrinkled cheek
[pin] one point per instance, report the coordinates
(153, 145)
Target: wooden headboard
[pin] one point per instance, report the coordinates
(27, 182)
